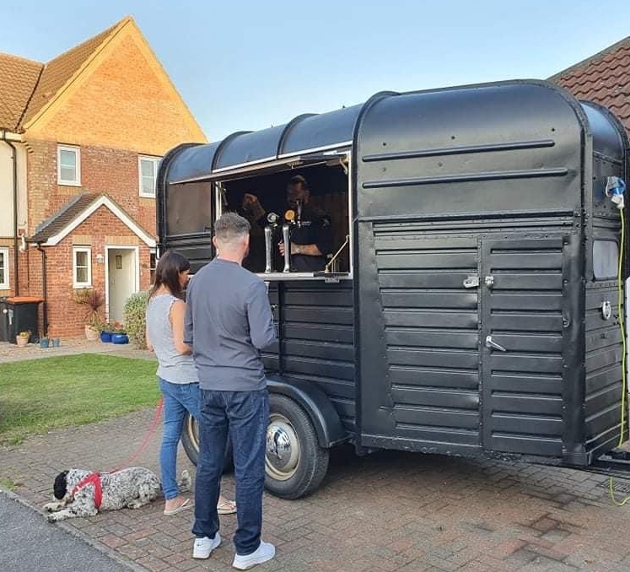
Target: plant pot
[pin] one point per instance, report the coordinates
(106, 337)
(91, 334)
(56, 342)
(44, 343)
(120, 339)
(21, 342)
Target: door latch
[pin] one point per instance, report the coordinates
(471, 282)
(490, 343)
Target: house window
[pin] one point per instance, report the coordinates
(4, 268)
(152, 265)
(68, 165)
(81, 267)
(147, 171)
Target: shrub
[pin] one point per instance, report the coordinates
(135, 318)
(92, 300)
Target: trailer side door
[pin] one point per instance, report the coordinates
(418, 339)
(531, 313)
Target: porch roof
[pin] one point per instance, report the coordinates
(78, 209)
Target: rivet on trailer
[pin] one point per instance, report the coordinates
(471, 305)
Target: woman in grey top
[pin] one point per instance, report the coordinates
(176, 372)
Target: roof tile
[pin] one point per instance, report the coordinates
(603, 78)
(63, 217)
(69, 213)
(58, 71)
(19, 78)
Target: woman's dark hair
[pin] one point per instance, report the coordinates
(167, 273)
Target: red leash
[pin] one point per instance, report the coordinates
(150, 432)
(95, 478)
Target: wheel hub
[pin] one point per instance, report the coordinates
(283, 448)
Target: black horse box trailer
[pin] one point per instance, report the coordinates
(473, 303)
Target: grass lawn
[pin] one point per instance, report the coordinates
(42, 394)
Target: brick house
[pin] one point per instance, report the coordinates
(80, 141)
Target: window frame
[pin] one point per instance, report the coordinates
(6, 284)
(77, 151)
(75, 251)
(599, 241)
(156, 164)
(322, 276)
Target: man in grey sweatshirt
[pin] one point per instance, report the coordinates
(228, 321)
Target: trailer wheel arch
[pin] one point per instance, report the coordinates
(323, 416)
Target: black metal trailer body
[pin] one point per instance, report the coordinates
(476, 309)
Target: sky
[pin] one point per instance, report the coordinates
(247, 65)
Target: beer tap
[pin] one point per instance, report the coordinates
(286, 238)
(289, 218)
(272, 219)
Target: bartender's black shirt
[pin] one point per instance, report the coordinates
(315, 229)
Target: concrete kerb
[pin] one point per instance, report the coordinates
(10, 353)
(110, 553)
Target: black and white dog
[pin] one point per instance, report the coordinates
(83, 493)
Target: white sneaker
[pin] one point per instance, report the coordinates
(204, 546)
(264, 552)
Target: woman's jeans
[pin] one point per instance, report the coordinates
(243, 416)
(179, 399)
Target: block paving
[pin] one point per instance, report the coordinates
(389, 511)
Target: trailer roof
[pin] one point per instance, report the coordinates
(428, 114)
(306, 133)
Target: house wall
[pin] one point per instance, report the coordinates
(8, 243)
(6, 187)
(122, 100)
(6, 207)
(119, 106)
(103, 170)
(101, 229)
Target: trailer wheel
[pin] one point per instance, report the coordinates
(295, 464)
(190, 441)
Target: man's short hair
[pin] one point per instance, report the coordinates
(299, 180)
(230, 227)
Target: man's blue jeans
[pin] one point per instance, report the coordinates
(179, 399)
(244, 416)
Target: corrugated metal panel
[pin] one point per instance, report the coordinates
(431, 332)
(603, 366)
(522, 311)
(316, 340)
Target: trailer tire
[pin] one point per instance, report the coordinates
(297, 465)
(190, 442)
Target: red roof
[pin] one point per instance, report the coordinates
(603, 78)
(19, 78)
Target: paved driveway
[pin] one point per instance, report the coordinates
(391, 511)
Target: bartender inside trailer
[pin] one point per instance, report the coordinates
(311, 233)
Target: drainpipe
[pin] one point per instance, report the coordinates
(16, 262)
(44, 287)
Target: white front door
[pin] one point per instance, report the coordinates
(122, 269)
